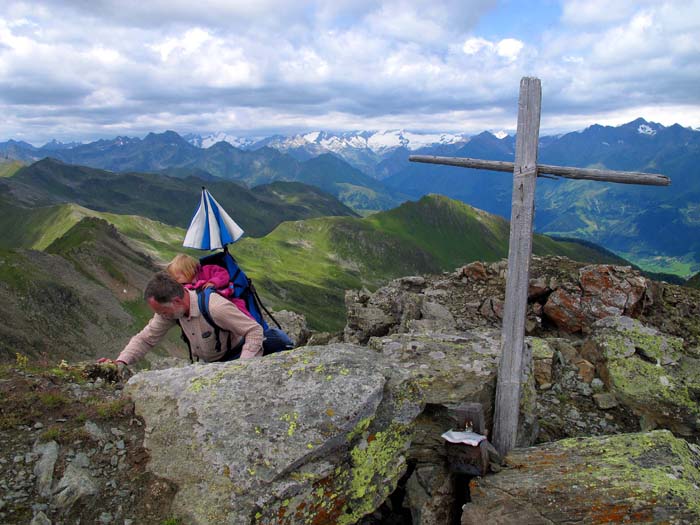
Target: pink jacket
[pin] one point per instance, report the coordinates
(211, 273)
(218, 276)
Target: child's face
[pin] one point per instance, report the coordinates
(181, 277)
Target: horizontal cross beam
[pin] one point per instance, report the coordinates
(624, 177)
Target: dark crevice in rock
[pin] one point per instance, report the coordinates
(462, 496)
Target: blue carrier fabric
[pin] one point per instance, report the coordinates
(239, 282)
(275, 339)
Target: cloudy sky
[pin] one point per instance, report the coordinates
(87, 69)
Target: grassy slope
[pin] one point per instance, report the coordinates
(81, 297)
(9, 167)
(307, 265)
(37, 228)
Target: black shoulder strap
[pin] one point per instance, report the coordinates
(187, 341)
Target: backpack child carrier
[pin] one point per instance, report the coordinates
(275, 339)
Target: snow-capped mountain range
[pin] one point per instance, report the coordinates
(362, 149)
(378, 142)
(204, 141)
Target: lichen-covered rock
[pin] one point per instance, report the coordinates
(314, 435)
(311, 434)
(542, 361)
(629, 478)
(448, 368)
(649, 372)
(451, 369)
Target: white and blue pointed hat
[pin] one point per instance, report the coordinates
(211, 227)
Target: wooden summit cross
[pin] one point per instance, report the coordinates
(525, 171)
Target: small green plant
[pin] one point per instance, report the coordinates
(9, 421)
(53, 399)
(77, 434)
(67, 372)
(171, 521)
(50, 434)
(21, 360)
(110, 409)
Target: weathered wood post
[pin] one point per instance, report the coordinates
(525, 172)
(519, 252)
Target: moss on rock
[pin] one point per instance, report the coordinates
(650, 373)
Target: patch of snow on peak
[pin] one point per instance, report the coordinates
(384, 140)
(357, 141)
(500, 134)
(209, 140)
(422, 140)
(312, 137)
(644, 129)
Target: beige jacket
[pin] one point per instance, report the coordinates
(199, 332)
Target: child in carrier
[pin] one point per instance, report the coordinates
(188, 272)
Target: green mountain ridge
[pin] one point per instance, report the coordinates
(166, 199)
(307, 265)
(694, 281)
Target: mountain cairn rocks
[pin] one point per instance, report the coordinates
(628, 478)
(562, 294)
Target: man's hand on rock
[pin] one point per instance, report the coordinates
(122, 370)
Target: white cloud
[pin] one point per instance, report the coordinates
(508, 48)
(413, 64)
(187, 44)
(599, 12)
(106, 55)
(472, 46)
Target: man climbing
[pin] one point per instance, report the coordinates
(238, 334)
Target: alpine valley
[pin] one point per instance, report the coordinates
(655, 228)
(323, 214)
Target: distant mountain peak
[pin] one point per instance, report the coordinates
(56, 145)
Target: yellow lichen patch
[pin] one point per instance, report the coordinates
(197, 384)
(292, 420)
(360, 428)
(373, 464)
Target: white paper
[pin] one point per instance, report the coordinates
(468, 438)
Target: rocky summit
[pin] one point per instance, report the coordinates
(351, 431)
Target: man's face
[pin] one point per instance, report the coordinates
(172, 310)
